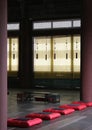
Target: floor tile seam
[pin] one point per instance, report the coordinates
(69, 120)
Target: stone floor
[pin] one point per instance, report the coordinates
(79, 120)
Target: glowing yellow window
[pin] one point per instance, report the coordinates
(8, 54)
(76, 53)
(12, 54)
(62, 54)
(42, 54)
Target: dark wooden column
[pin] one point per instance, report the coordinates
(86, 59)
(3, 65)
(25, 58)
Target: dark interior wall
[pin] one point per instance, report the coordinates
(54, 9)
(44, 9)
(46, 83)
(31, 10)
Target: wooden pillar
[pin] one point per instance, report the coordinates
(25, 49)
(86, 55)
(3, 65)
(24, 54)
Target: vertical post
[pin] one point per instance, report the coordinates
(86, 59)
(3, 65)
(25, 49)
(24, 57)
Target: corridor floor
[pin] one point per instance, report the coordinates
(79, 120)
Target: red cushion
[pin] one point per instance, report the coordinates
(74, 106)
(44, 115)
(63, 111)
(23, 122)
(88, 104)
